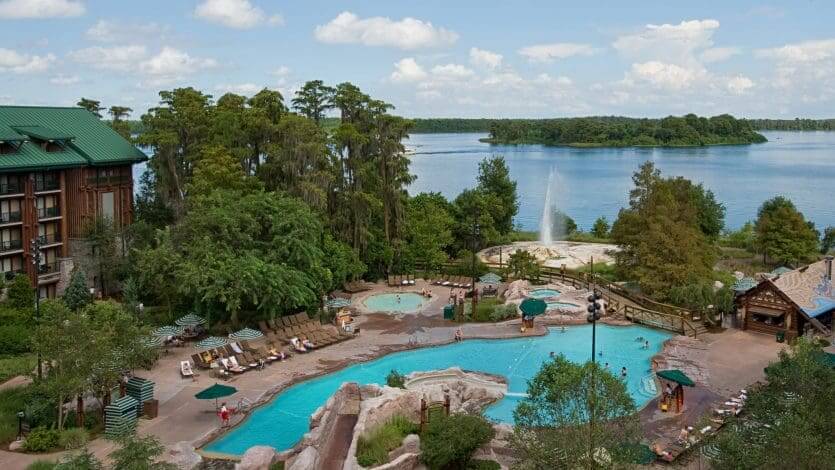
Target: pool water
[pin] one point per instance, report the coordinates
(282, 422)
(556, 305)
(393, 302)
(543, 293)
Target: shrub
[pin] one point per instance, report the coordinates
(73, 438)
(41, 465)
(41, 439)
(14, 338)
(503, 312)
(396, 379)
(16, 365)
(483, 465)
(449, 441)
(373, 450)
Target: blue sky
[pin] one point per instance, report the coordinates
(433, 58)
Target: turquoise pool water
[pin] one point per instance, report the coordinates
(555, 305)
(393, 302)
(543, 293)
(282, 422)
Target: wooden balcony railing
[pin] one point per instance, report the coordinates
(10, 245)
(7, 217)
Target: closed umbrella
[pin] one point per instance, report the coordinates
(211, 342)
(246, 334)
(168, 330)
(190, 320)
(216, 391)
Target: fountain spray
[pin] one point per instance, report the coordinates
(546, 237)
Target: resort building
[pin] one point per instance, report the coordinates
(791, 302)
(59, 169)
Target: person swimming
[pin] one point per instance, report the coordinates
(623, 372)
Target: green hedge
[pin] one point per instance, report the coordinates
(450, 441)
(373, 450)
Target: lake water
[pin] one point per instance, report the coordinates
(595, 182)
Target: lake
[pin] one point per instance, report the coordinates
(594, 182)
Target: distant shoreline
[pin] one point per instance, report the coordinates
(584, 145)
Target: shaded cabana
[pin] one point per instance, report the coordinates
(681, 380)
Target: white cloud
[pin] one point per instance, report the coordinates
(117, 31)
(718, 54)
(238, 14)
(21, 9)
(407, 70)
(802, 52)
(64, 80)
(408, 33)
(170, 65)
(673, 43)
(282, 71)
(483, 58)
(13, 61)
(804, 71)
(663, 75)
(559, 50)
(739, 84)
(451, 71)
(246, 89)
(118, 58)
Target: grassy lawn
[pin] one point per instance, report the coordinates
(11, 366)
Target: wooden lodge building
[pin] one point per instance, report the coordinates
(792, 302)
(59, 169)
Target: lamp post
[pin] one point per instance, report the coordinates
(36, 261)
(20, 416)
(476, 233)
(594, 308)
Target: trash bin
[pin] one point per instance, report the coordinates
(151, 409)
(781, 336)
(449, 312)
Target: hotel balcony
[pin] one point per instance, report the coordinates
(50, 239)
(10, 246)
(11, 189)
(49, 272)
(10, 217)
(48, 185)
(109, 181)
(48, 213)
(10, 275)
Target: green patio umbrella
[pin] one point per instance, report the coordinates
(533, 307)
(246, 334)
(337, 303)
(677, 376)
(211, 342)
(216, 391)
(490, 278)
(168, 330)
(190, 320)
(153, 341)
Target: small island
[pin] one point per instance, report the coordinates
(612, 131)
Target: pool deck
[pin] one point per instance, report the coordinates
(182, 418)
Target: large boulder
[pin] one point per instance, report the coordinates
(305, 460)
(183, 455)
(410, 445)
(257, 458)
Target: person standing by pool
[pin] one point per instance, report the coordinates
(646, 344)
(224, 415)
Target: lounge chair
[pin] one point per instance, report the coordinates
(199, 362)
(236, 347)
(297, 345)
(242, 359)
(286, 321)
(247, 346)
(185, 369)
(230, 366)
(275, 323)
(262, 325)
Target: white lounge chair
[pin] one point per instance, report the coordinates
(185, 369)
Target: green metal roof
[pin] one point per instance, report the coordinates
(677, 376)
(93, 141)
(43, 133)
(9, 135)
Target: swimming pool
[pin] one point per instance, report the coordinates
(282, 422)
(556, 305)
(543, 293)
(394, 302)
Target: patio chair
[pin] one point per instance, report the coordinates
(287, 321)
(275, 323)
(235, 368)
(198, 361)
(185, 369)
(245, 344)
(262, 325)
(241, 359)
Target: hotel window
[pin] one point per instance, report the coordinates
(10, 239)
(46, 181)
(11, 264)
(48, 232)
(10, 184)
(47, 206)
(107, 206)
(9, 210)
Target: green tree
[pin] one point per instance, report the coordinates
(139, 453)
(21, 295)
(83, 460)
(93, 106)
(77, 295)
(552, 422)
(118, 120)
(450, 441)
(428, 231)
(471, 211)
(661, 235)
(744, 237)
(523, 265)
(783, 234)
(313, 99)
(790, 418)
(494, 179)
(106, 260)
(828, 240)
(600, 229)
(562, 225)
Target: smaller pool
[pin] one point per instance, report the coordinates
(394, 302)
(556, 305)
(543, 293)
